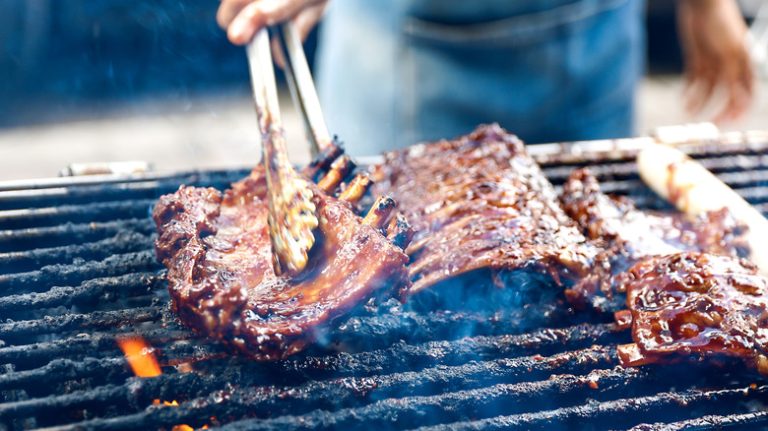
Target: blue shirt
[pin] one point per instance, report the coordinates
(393, 73)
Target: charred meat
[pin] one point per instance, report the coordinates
(695, 303)
(628, 235)
(481, 203)
(221, 279)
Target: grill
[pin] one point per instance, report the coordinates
(78, 272)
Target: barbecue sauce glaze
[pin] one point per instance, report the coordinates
(695, 303)
(481, 209)
(222, 283)
(627, 234)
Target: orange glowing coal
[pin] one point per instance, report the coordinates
(140, 356)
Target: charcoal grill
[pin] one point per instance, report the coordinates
(78, 271)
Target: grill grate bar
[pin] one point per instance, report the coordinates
(20, 331)
(62, 369)
(628, 168)
(601, 152)
(752, 194)
(82, 345)
(749, 421)
(114, 265)
(81, 194)
(69, 233)
(90, 212)
(104, 180)
(89, 292)
(622, 412)
(123, 242)
(81, 369)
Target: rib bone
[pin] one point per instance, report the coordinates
(380, 212)
(323, 160)
(339, 169)
(356, 188)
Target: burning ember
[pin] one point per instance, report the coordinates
(140, 356)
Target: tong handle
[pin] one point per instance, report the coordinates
(302, 87)
(264, 85)
(263, 82)
(292, 215)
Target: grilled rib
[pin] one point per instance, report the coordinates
(695, 303)
(628, 234)
(481, 204)
(222, 283)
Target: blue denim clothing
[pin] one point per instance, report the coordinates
(395, 72)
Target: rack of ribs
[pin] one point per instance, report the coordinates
(627, 235)
(221, 278)
(480, 204)
(695, 303)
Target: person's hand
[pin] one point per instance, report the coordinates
(243, 18)
(713, 36)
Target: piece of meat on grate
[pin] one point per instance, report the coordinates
(628, 234)
(695, 303)
(481, 203)
(222, 283)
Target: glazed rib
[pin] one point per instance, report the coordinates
(695, 303)
(481, 203)
(222, 282)
(627, 235)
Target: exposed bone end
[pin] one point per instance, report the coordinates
(323, 160)
(400, 231)
(339, 169)
(380, 212)
(356, 188)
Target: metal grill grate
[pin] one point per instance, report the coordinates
(77, 270)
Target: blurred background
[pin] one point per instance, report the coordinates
(97, 80)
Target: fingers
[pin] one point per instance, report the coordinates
(734, 75)
(304, 22)
(739, 92)
(737, 85)
(228, 10)
(700, 91)
(307, 19)
(248, 21)
(242, 21)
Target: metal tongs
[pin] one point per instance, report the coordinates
(302, 87)
(292, 213)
